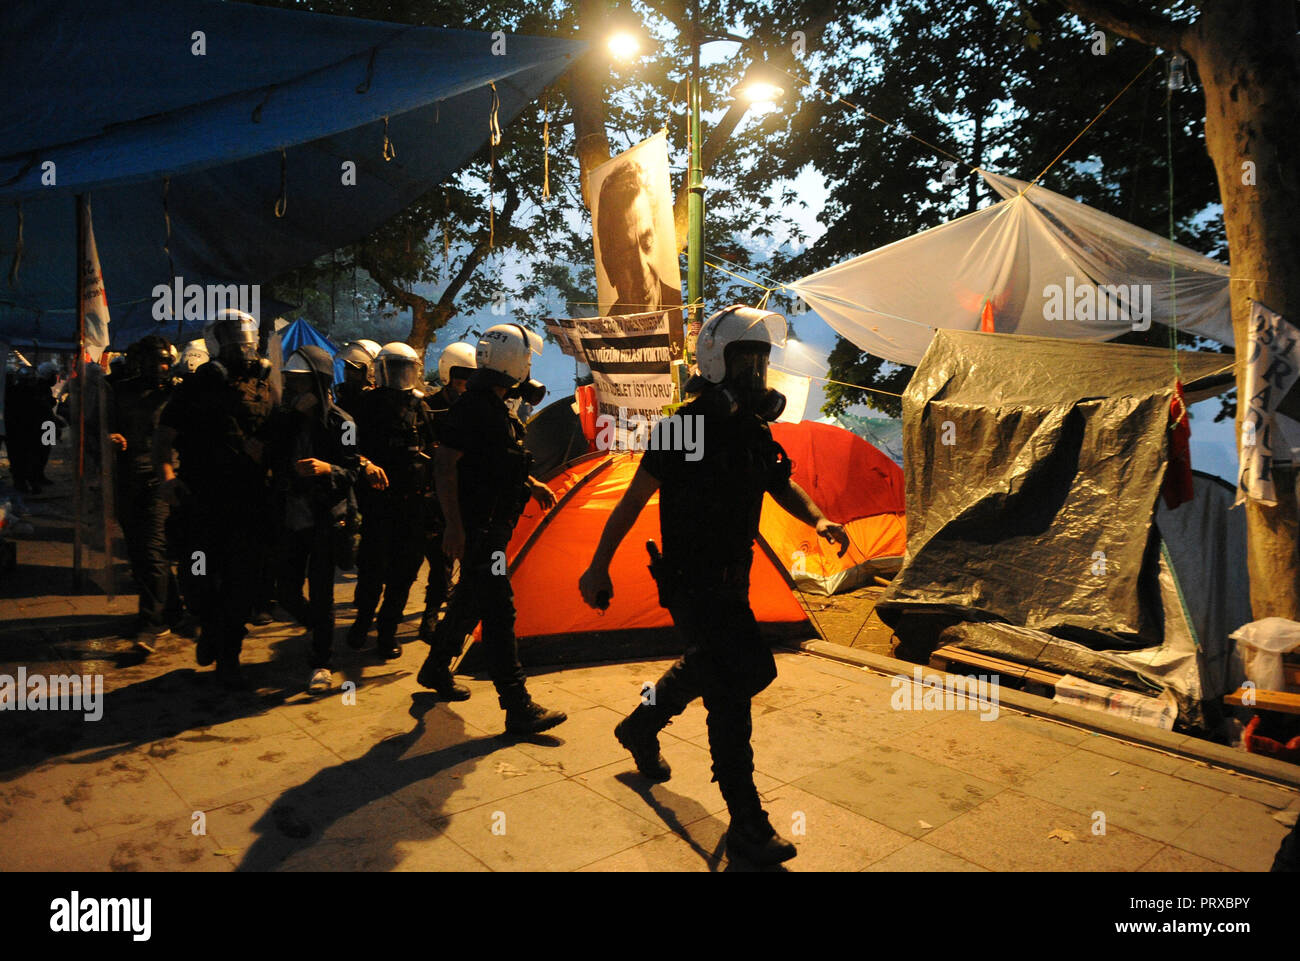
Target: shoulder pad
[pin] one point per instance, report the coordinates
(261, 369)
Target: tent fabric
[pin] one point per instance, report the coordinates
(890, 301)
(1039, 513)
(854, 484)
(317, 87)
(555, 437)
(550, 550)
(302, 334)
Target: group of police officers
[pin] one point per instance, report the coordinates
(238, 487)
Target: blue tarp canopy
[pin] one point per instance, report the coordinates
(111, 99)
(302, 334)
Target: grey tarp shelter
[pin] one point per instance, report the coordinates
(1028, 461)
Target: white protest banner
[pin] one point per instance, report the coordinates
(1272, 366)
(631, 368)
(93, 294)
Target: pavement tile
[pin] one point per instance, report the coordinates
(582, 743)
(869, 717)
(790, 744)
(558, 827)
(241, 771)
(898, 790)
(1236, 832)
(38, 816)
(1041, 727)
(1014, 832)
(989, 750)
(1136, 798)
(168, 845)
(920, 857)
(1176, 861)
(796, 682)
(829, 837)
(663, 854)
(1137, 754)
(476, 772)
(1230, 782)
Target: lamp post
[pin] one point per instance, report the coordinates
(759, 86)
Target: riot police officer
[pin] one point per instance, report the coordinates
(313, 468)
(136, 404)
(358, 359)
(395, 432)
(709, 510)
(216, 423)
(483, 484)
(455, 366)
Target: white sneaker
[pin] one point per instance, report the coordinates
(321, 678)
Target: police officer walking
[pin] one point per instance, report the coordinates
(358, 359)
(313, 468)
(483, 484)
(136, 404)
(216, 422)
(709, 511)
(395, 432)
(455, 366)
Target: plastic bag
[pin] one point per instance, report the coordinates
(1261, 645)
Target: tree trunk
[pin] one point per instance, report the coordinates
(1248, 60)
(587, 95)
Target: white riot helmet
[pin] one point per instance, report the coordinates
(506, 353)
(459, 355)
(194, 356)
(398, 366)
(359, 353)
(733, 325)
(230, 331)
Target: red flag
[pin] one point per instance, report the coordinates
(586, 398)
(1177, 487)
(986, 318)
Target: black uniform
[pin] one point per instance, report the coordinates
(439, 581)
(314, 513)
(221, 425)
(22, 428)
(394, 430)
(709, 511)
(135, 407)
(493, 482)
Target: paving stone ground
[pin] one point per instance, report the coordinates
(180, 776)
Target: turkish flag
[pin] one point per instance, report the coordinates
(1177, 487)
(586, 398)
(986, 318)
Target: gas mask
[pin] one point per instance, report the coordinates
(300, 392)
(745, 386)
(530, 390)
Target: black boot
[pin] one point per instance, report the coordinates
(752, 838)
(357, 633)
(526, 716)
(639, 733)
(387, 646)
(435, 673)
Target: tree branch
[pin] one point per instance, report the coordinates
(1125, 19)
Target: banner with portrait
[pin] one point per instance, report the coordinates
(637, 267)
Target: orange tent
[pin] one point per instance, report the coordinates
(849, 479)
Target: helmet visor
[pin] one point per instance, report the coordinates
(399, 373)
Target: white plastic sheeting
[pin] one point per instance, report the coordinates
(1051, 267)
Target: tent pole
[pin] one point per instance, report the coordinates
(80, 413)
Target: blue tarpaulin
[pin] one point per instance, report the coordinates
(302, 334)
(113, 99)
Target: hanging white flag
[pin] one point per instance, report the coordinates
(1272, 366)
(93, 295)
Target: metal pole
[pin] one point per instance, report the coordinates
(78, 500)
(695, 201)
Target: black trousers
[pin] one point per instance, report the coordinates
(143, 515)
(483, 593)
(309, 554)
(232, 544)
(393, 543)
(726, 663)
(435, 588)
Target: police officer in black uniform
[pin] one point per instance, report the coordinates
(455, 366)
(358, 359)
(313, 470)
(216, 422)
(137, 399)
(709, 510)
(483, 484)
(395, 431)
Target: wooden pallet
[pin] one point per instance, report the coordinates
(955, 660)
(1285, 701)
